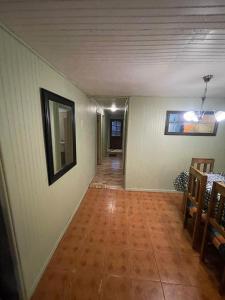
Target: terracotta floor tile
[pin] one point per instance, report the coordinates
(119, 224)
(66, 258)
(158, 227)
(86, 285)
(98, 235)
(171, 268)
(109, 173)
(182, 292)
(143, 265)
(116, 288)
(118, 238)
(117, 261)
(123, 246)
(161, 241)
(100, 221)
(92, 257)
(139, 240)
(197, 273)
(183, 243)
(137, 226)
(147, 290)
(74, 237)
(55, 284)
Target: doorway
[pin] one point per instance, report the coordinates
(110, 143)
(11, 280)
(8, 284)
(116, 133)
(99, 139)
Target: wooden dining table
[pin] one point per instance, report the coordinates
(181, 183)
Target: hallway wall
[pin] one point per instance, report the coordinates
(154, 159)
(40, 212)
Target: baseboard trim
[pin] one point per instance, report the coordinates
(56, 245)
(151, 190)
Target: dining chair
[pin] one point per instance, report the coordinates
(203, 164)
(214, 226)
(194, 202)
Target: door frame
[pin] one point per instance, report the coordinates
(11, 235)
(99, 138)
(110, 124)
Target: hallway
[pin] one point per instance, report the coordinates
(110, 173)
(126, 246)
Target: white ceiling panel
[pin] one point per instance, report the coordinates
(127, 47)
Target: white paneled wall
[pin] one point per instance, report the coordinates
(40, 212)
(155, 159)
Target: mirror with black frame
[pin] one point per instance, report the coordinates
(59, 130)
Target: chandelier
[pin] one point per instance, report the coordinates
(197, 116)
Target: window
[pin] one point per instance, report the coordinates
(116, 128)
(176, 125)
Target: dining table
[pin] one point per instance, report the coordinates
(181, 183)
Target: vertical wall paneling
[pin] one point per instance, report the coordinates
(40, 212)
(154, 159)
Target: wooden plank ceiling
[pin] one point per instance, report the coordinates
(127, 47)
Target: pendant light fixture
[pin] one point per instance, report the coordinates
(193, 116)
(113, 108)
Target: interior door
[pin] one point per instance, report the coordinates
(99, 143)
(116, 133)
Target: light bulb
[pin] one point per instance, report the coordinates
(220, 116)
(113, 108)
(190, 116)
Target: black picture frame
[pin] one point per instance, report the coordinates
(46, 96)
(167, 132)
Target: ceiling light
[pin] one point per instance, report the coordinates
(113, 108)
(192, 116)
(220, 116)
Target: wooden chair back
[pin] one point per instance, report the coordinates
(214, 219)
(217, 206)
(195, 196)
(205, 165)
(196, 187)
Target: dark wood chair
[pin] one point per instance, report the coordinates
(214, 226)
(205, 165)
(194, 201)
(202, 164)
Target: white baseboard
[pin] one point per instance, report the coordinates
(151, 190)
(56, 245)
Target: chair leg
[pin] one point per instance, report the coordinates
(204, 242)
(185, 201)
(195, 236)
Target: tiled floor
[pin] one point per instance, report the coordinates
(126, 246)
(109, 173)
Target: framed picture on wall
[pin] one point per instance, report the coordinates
(59, 132)
(177, 125)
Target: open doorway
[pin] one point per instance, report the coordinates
(99, 139)
(111, 144)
